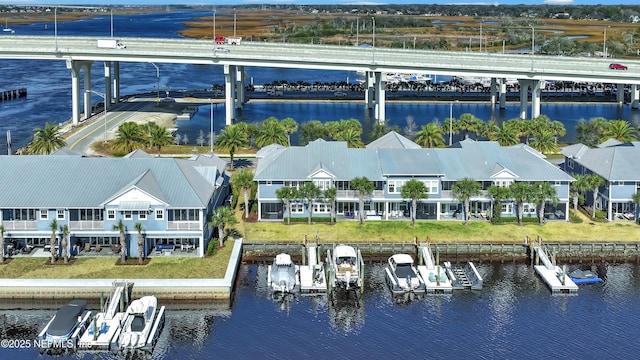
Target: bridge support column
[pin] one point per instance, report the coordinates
(381, 81)
(524, 96)
(229, 94)
(368, 93)
(116, 82)
(87, 88)
(240, 95)
(493, 88)
(107, 84)
(536, 91)
(634, 96)
(75, 92)
(503, 93)
(620, 94)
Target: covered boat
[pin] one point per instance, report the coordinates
(403, 276)
(580, 277)
(283, 275)
(141, 324)
(346, 267)
(66, 326)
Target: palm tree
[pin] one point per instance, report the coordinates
(498, 193)
(430, 136)
(464, 189)
(290, 126)
(469, 123)
(620, 130)
(46, 140)
(635, 198)
(119, 226)
(311, 131)
(330, 195)
(363, 186)
(65, 235)
(414, 190)
(52, 243)
(130, 136)
(522, 193)
(541, 193)
(244, 180)
(351, 137)
(1, 244)
(159, 137)
(287, 193)
(271, 132)
(545, 142)
(309, 191)
(220, 219)
(139, 229)
(578, 186)
(232, 138)
(594, 181)
(507, 135)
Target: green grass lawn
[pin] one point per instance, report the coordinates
(166, 267)
(443, 231)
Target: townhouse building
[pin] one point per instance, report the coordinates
(172, 199)
(391, 161)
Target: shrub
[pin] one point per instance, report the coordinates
(213, 247)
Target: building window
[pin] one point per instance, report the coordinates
(60, 214)
(128, 215)
(432, 186)
(395, 186)
(159, 214)
(297, 207)
(570, 163)
(322, 184)
(111, 214)
(320, 208)
(44, 215)
(142, 215)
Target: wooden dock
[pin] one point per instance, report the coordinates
(555, 277)
(434, 275)
(312, 275)
(13, 94)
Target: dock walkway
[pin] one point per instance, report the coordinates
(556, 278)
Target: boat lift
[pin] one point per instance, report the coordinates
(104, 329)
(434, 276)
(331, 275)
(313, 278)
(555, 277)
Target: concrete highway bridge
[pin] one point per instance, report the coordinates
(531, 71)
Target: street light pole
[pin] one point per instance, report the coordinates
(451, 122)
(481, 21)
(111, 22)
(211, 133)
(104, 98)
(374, 38)
(214, 25)
(604, 44)
(158, 86)
(55, 25)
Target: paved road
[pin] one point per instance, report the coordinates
(99, 126)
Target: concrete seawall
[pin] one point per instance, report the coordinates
(163, 289)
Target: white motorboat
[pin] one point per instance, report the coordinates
(403, 276)
(64, 329)
(142, 323)
(346, 267)
(283, 275)
(7, 28)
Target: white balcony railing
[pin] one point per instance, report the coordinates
(86, 225)
(183, 225)
(20, 225)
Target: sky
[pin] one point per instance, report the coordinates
(319, 2)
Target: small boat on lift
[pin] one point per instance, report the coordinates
(580, 277)
(403, 276)
(283, 275)
(142, 324)
(346, 270)
(64, 329)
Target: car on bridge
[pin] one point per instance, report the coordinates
(616, 66)
(220, 49)
(340, 94)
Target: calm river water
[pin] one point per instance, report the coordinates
(513, 317)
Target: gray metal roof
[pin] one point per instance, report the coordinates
(618, 162)
(54, 181)
(392, 140)
(480, 160)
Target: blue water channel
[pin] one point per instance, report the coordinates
(513, 317)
